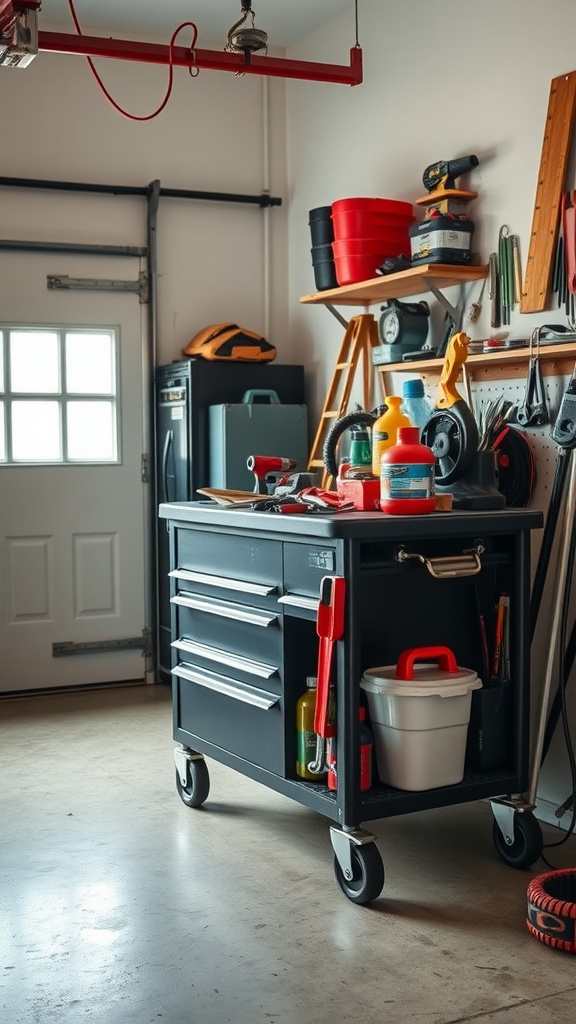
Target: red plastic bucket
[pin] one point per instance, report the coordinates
(391, 207)
(356, 224)
(351, 269)
(389, 243)
(386, 219)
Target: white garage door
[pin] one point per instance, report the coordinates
(72, 512)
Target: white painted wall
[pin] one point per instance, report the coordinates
(440, 82)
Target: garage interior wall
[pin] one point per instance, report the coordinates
(466, 80)
(437, 85)
(218, 133)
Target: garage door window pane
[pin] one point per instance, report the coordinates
(90, 427)
(34, 362)
(36, 432)
(2, 434)
(89, 364)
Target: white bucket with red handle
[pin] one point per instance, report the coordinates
(419, 713)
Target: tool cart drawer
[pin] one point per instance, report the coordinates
(304, 567)
(234, 628)
(244, 569)
(245, 669)
(245, 720)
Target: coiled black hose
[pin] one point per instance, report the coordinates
(366, 419)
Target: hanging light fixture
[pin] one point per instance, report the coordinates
(246, 40)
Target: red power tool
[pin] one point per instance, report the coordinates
(269, 469)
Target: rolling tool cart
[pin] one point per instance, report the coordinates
(251, 607)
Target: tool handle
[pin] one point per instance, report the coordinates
(325, 658)
(330, 628)
(443, 655)
(455, 358)
(249, 396)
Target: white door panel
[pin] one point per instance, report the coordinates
(72, 545)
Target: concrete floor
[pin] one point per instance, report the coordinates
(123, 906)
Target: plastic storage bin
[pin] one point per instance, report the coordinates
(419, 718)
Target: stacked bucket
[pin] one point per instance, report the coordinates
(361, 233)
(322, 235)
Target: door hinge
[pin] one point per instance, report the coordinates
(145, 468)
(63, 282)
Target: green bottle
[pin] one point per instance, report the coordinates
(305, 735)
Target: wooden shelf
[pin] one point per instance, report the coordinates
(555, 360)
(415, 281)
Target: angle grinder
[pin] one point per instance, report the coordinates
(452, 434)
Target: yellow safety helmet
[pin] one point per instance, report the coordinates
(229, 341)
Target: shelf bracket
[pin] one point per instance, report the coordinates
(341, 320)
(453, 311)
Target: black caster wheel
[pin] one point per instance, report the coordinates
(367, 879)
(525, 846)
(197, 787)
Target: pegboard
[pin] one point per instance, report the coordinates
(544, 448)
(513, 388)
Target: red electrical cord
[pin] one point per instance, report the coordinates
(125, 113)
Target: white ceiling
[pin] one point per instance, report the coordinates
(285, 21)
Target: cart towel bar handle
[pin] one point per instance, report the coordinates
(443, 655)
(449, 566)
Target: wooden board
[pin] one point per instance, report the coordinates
(551, 177)
(230, 497)
(415, 281)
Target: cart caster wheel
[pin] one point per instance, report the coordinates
(523, 848)
(198, 784)
(367, 879)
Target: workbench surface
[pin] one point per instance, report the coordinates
(354, 524)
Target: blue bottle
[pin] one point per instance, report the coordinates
(414, 403)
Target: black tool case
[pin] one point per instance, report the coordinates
(245, 589)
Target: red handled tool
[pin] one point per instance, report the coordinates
(263, 465)
(330, 628)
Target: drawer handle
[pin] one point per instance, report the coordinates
(255, 668)
(223, 582)
(466, 564)
(227, 611)
(298, 601)
(248, 695)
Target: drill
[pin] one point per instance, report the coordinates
(440, 176)
(269, 469)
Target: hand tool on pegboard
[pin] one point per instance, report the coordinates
(509, 273)
(494, 292)
(533, 410)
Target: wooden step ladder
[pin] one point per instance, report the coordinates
(360, 338)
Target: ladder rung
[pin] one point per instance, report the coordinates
(316, 462)
(344, 366)
(329, 414)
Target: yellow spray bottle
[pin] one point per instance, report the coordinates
(385, 430)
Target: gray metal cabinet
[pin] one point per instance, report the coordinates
(244, 595)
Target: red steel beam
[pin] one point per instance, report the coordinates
(211, 60)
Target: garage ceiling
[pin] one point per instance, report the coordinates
(285, 21)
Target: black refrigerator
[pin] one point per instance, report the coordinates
(183, 394)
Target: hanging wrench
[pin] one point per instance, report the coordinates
(533, 411)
